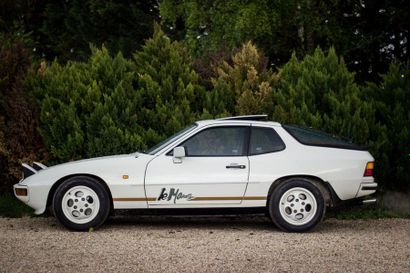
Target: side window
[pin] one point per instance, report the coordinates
(217, 141)
(265, 140)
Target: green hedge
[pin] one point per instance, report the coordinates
(111, 105)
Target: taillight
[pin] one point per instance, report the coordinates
(369, 169)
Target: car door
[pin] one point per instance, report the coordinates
(214, 170)
(268, 158)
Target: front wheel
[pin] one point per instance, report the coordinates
(297, 205)
(81, 203)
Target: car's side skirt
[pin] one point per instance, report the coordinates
(194, 211)
(196, 202)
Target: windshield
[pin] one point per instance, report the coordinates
(166, 142)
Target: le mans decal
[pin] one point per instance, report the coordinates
(173, 195)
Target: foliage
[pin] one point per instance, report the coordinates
(68, 27)
(320, 92)
(205, 65)
(171, 95)
(19, 140)
(111, 105)
(64, 29)
(355, 212)
(88, 109)
(242, 87)
(369, 34)
(392, 101)
(11, 207)
(207, 25)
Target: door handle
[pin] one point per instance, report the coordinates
(235, 166)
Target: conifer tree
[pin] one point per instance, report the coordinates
(242, 87)
(89, 109)
(171, 95)
(111, 105)
(320, 92)
(392, 101)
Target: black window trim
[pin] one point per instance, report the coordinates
(246, 141)
(267, 127)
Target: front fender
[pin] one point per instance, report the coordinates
(111, 170)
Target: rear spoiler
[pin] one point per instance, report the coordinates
(30, 170)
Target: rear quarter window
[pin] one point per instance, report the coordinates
(264, 140)
(312, 137)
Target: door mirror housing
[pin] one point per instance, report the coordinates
(179, 153)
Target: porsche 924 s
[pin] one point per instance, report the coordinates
(290, 172)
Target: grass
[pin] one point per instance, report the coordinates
(11, 207)
(355, 212)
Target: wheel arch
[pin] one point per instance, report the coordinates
(331, 199)
(61, 181)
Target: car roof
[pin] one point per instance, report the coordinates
(253, 119)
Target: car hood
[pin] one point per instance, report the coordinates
(96, 160)
(99, 166)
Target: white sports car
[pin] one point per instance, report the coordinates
(290, 172)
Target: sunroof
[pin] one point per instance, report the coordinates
(250, 117)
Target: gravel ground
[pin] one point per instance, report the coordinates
(204, 244)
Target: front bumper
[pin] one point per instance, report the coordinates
(18, 189)
(36, 196)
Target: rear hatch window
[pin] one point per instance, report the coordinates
(313, 137)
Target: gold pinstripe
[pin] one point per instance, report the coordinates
(203, 198)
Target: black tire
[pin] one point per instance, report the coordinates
(267, 214)
(98, 216)
(284, 222)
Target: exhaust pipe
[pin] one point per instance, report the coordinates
(369, 201)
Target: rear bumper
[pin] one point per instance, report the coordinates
(366, 188)
(362, 196)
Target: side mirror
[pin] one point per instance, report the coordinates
(179, 153)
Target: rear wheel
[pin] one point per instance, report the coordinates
(297, 205)
(81, 203)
